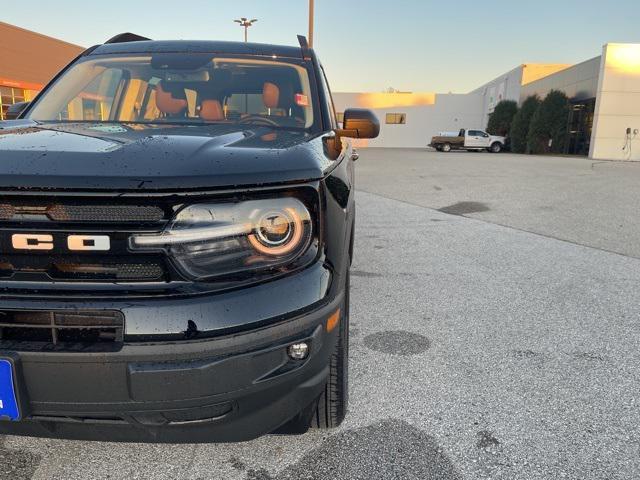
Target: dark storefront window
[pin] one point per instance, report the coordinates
(9, 96)
(580, 126)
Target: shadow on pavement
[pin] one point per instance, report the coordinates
(389, 449)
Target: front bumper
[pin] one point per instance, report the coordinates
(231, 387)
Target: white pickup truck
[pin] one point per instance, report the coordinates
(468, 140)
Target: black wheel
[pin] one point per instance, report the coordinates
(439, 148)
(333, 402)
(496, 147)
(446, 147)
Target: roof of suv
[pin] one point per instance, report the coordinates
(199, 46)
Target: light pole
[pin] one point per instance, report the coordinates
(311, 18)
(246, 24)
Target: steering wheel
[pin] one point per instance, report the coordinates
(259, 120)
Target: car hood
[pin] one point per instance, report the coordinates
(108, 156)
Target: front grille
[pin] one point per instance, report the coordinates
(60, 330)
(107, 271)
(68, 212)
(99, 268)
(60, 267)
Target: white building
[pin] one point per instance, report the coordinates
(604, 91)
(410, 119)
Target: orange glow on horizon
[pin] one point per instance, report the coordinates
(392, 100)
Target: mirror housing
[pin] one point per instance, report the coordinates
(14, 111)
(359, 123)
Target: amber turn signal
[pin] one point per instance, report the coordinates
(333, 321)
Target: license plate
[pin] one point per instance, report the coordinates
(9, 409)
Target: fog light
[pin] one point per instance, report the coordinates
(298, 351)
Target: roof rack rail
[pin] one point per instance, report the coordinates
(126, 37)
(304, 45)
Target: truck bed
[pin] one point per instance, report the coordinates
(440, 140)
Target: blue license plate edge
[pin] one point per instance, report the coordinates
(9, 409)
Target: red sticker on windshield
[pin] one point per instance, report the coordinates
(302, 100)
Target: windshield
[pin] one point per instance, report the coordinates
(179, 88)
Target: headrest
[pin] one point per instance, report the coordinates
(167, 103)
(271, 95)
(211, 110)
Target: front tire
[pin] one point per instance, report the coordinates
(496, 147)
(334, 400)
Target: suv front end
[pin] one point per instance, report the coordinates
(105, 353)
(176, 231)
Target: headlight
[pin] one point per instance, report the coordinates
(207, 240)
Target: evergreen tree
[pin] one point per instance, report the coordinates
(521, 123)
(501, 118)
(548, 130)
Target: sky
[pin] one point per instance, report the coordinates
(367, 46)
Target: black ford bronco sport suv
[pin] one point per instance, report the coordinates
(176, 232)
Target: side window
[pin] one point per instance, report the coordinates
(95, 101)
(9, 96)
(475, 133)
(329, 99)
(396, 118)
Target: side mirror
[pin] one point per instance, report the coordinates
(359, 123)
(15, 110)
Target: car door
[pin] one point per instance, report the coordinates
(474, 139)
(484, 139)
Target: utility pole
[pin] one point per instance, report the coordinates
(243, 22)
(311, 21)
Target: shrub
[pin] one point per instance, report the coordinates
(521, 123)
(549, 123)
(501, 118)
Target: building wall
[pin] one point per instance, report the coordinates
(425, 115)
(29, 59)
(617, 104)
(579, 82)
(536, 71)
(509, 85)
(505, 87)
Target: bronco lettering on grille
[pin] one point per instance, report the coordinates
(74, 242)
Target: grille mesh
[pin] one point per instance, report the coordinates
(108, 271)
(6, 211)
(85, 213)
(105, 213)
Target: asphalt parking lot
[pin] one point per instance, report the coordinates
(495, 334)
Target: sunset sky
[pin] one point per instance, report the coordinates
(411, 45)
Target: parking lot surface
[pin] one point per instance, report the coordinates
(501, 346)
(584, 201)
